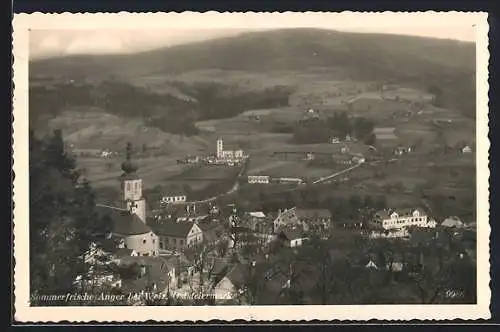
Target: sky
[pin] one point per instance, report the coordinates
(114, 34)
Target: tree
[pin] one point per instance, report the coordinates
(62, 218)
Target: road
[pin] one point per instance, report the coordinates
(233, 189)
(322, 179)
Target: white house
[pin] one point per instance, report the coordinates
(174, 197)
(260, 179)
(452, 222)
(401, 218)
(466, 149)
(292, 237)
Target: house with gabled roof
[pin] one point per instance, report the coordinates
(402, 217)
(291, 237)
(177, 235)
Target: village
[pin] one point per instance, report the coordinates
(201, 252)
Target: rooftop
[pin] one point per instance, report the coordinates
(122, 221)
(313, 213)
(171, 228)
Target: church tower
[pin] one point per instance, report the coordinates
(220, 148)
(132, 187)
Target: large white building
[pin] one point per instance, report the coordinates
(401, 218)
(227, 154)
(262, 179)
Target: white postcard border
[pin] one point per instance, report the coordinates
(24, 313)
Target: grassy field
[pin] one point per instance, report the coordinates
(106, 172)
(99, 130)
(293, 168)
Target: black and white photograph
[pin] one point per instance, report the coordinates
(252, 161)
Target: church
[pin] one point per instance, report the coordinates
(133, 228)
(129, 221)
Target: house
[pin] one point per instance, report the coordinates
(309, 156)
(286, 217)
(314, 218)
(174, 197)
(149, 274)
(371, 265)
(291, 237)
(343, 159)
(177, 235)
(261, 179)
(290, 181)
(466, 149)
(212, 232)
(452, 222)
(401, 218)
(334, 140)
(230, 285)
(396, 266)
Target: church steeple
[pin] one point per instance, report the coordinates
(132, 187)
(128, 166)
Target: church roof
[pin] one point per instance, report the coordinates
(123, 222)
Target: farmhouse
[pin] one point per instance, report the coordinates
(174, 197)
(401, 218)
(260, 179)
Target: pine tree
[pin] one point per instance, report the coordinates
(62, 217)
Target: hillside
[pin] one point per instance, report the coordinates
(172, 88)
(280, 50)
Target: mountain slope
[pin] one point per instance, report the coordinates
(288, 49)
(112, 82)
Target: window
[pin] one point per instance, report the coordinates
(154, 241)
(143, 241)
(128, 186)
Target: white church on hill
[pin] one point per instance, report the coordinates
(227, 155)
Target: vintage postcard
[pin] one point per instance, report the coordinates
(182, 167)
